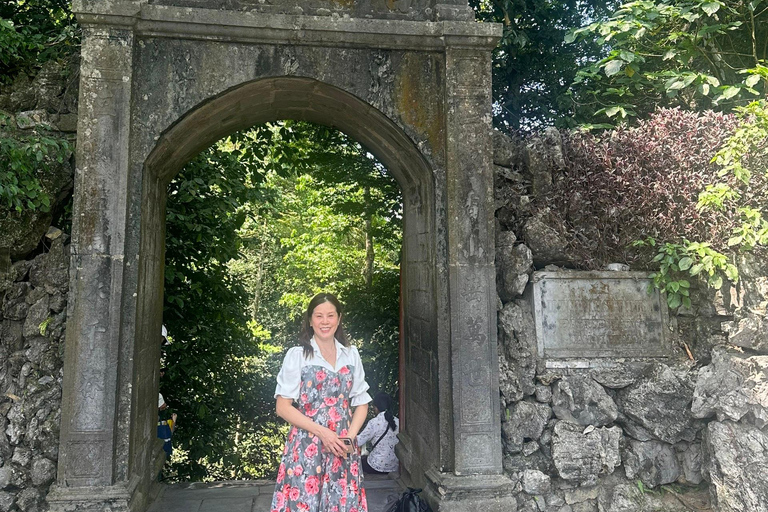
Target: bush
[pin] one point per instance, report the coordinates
(680, 193)
(633, 183)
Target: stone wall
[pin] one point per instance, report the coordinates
(34, 282)
(667, 434)
(33, 298)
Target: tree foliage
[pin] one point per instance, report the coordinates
(533, 65)
(693, 54)
(34, 31)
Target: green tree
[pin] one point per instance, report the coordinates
(533, 65)
(693, 54)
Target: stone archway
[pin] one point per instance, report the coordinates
(159, 83)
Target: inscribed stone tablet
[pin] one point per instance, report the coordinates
(586, 315)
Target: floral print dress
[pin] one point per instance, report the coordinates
(310, 478)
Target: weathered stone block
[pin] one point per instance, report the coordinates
(33, 119)
(736, 461)
(619, 375)
(547, 245)
(15, 306)
(43, 471)
(659, 402)
(526, 422)
(653, 462)
(7, 500)
(535, 482)
(581, 400)
(750, 332)
(581, 455)
(690, 461)
(731, 387)
(506, 152)
(517, 343)
(36, 317)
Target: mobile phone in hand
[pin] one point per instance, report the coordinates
(348, 443)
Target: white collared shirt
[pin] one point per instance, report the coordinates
(289, 378)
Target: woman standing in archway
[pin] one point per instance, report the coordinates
(320, 470)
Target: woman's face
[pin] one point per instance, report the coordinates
(324, 321)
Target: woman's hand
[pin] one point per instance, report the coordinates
(332, 442)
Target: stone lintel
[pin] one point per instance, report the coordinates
(447, 492)
(253, 27)
(112, 10)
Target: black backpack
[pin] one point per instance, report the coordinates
(410, 502)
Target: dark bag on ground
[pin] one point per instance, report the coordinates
(410, 502)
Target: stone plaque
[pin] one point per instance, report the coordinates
(581, 316)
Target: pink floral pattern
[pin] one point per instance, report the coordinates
(310, 478)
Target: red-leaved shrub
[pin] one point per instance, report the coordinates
(632, 183)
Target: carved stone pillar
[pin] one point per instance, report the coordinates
(477, 481)
(91, 469)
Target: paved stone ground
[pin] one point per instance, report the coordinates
(252, 496)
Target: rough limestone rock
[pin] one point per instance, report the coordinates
(750, 332)
(506, 151)
(547, 245)
(517, 351)
(542, 156)
(731, 387)
(619, 376)
(31, 338)
(43, 471)
(535, 482)
(653, 462)
(690, 461)
(581, 400)
(581, 455)
(736, 460)
(514, 262)
(753, 274)
(526, 422)
(543, 393)
(659, 402)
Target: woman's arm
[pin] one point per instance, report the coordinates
(295, 417)
(368, 432)
(358, 417)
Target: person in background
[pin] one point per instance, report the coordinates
(382, 430)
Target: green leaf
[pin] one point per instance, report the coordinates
(613, 67)
(711, 8)
(752, 80)
(685, 263)
(696, 269)
(673, 300)
(687, 302)
(684, 283)
(715, 281)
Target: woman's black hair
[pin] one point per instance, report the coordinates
(306, 329)
(383, 402)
